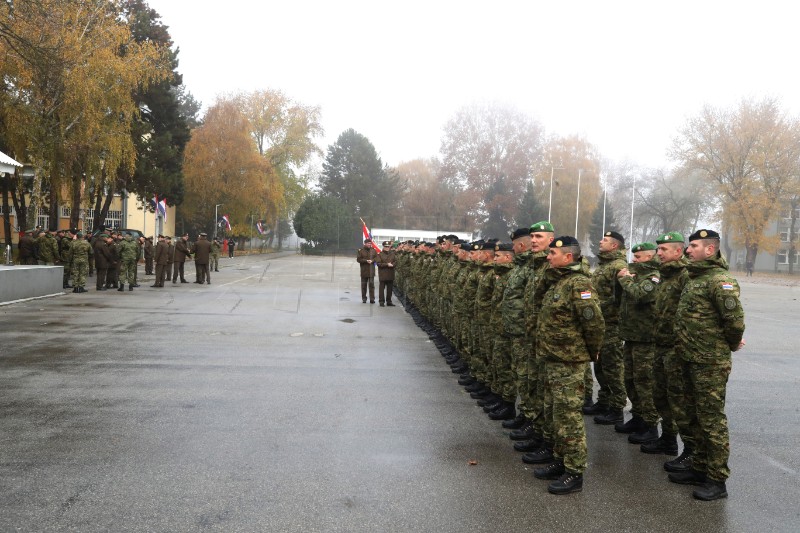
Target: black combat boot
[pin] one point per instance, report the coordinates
(552, 470)
(612, 416)
(648, 434)
(666, 444)
(516, 423)
(504, 412)
(689, 477)
(631, 426)
(474, 387)
(75, 289)
(526, 432)
(466, 380)
(541, 456)
(130, 287)
(567, 483)
(121, 287)
(528, 445)
(682, 463)
(595, 409)
(711, 490)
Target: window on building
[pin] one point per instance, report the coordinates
(783, 257)
(43, 217)
(66, 212)
(113, 220)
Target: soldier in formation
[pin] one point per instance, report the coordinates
(366, 258)
(521, 321)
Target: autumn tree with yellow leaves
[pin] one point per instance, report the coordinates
(749, 154)
(69, 68)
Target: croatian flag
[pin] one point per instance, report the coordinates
(227, 222)
(260, 227)
(161, 209)
(368, 235)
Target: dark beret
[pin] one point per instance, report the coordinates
(520, 232)
(387, 243)
(565, 240)
(615, 235)
(504, 247)
(703, 234)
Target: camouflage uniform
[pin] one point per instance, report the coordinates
(609, 370)
(215, 251)
(668, 394)
(512, 309)
(709, 324)
(48, 249)
(79, 253)
(129, 256)
(636, 329)
(569, 331)
(501, 363)
(533, 399)
(482, 354)
(63, 250)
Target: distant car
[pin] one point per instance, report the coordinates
(135, 233)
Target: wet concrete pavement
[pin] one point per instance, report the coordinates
(274, 400)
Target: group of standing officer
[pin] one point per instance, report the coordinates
(369, 258)
(521, 322)
(115, 257)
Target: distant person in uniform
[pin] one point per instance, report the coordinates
(215, 251)
(79, 253)
(202, 254)
(181, 253)
(160, 257)
(386, 261)
(231, 247)
(366, 259)
(148, 256)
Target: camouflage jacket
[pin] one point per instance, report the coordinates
(513, 304)
(709, 321)
(539, 266)
(502, 273)
(483, 294)
(128, 250)
(668, 292)
(79, 252)
(47, 248)
(63, 248)
(604, 279)
(570, 325)
(638, 297)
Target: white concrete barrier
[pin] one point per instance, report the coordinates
(21, 282)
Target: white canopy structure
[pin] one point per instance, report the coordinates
(8, 164)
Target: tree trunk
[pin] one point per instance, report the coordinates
(53, 209)
(6, 213)
(75, 201)
(794, 204)
(18, 198)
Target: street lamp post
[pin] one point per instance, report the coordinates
(216, 219)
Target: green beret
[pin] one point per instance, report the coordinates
(703, 234)
(542, 226)
(672, 236)
(565, 240)
(644, 247)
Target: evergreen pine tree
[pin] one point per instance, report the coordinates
(530, 209)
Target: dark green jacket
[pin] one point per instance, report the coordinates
(513, 304)
(709, 321)
(668, 293)
(604, 278)
(638, 298)
(570, 324)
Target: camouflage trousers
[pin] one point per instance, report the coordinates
(539, 403)
(466, 340)
(610, 370)
(704, 395)
(214, 262)
(520, 351)
(481, 351)
(588, 383)
(127, 273)
(662, 377)
(564, 395)
(640, 383)
(502, 368)
(80, 269)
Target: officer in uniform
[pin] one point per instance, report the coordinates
(569, 333)
(79, 253)
(639, 282)
(366, 257)
(709, 325)
(181, 253)
(202, 254)
(148, 256)
(610, 369)
(386, 262)
(216, 248)
(161, 258)
(129, 257)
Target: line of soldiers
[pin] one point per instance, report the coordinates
(521, 322)
(115, 257)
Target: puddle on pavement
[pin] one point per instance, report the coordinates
(347, 320)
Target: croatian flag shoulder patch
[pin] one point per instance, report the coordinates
(586, 295)
(727, 286)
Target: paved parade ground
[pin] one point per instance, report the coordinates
(274, 400)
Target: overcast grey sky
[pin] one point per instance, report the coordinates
(625, 74)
